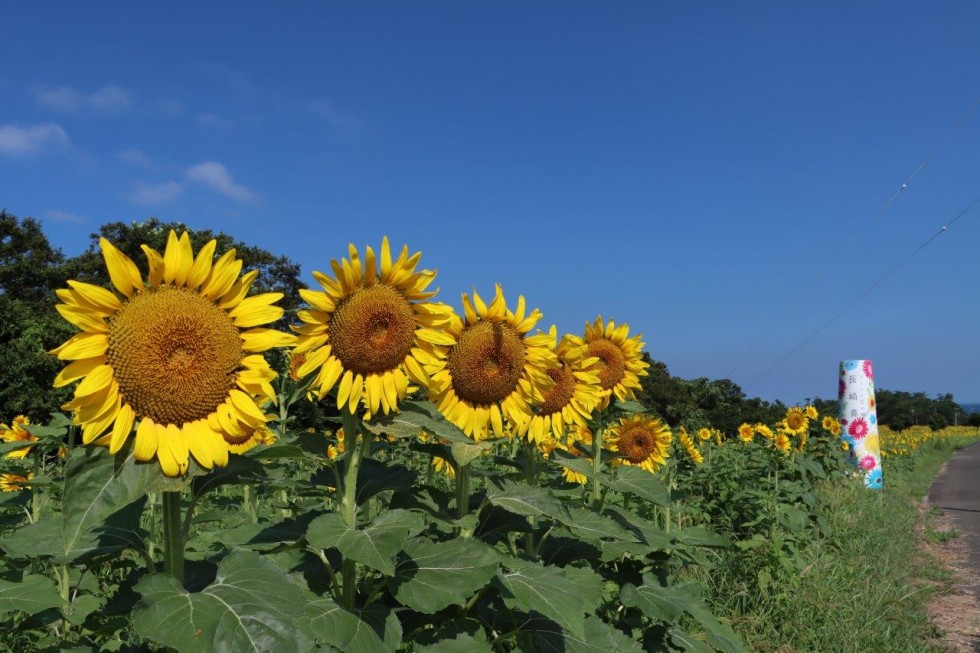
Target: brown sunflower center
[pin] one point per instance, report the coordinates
(373, 330)
(486, 363)
(637, 444)
(611, 366)
(794, 421)
(247, 433)
(563, 391)
(174, 355)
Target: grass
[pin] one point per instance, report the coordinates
(862, 588)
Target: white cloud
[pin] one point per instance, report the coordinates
(108, 99)
(216, 177)
(146, 193)
(15, 140)
(62, 216)
(136, 158)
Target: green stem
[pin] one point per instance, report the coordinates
(531, 475)
(173, 536)
(462, 490)
(252, 504)
(596, 462)
(356, 450)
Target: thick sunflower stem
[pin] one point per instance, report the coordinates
(596, 463)
(356, 450)
(173, 536)
(531, 475)
(462, 491)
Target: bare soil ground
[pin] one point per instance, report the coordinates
(955, 610)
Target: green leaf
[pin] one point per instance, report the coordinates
(599, 637)
(276, 452)
(375, 477)
(239, 471)
(700, 536)
(252, 605)
(577, 464)
(631, 406)
(84, 605)
(466, 452)
(462, 643)
(435, 575)
(31, 595)
(592, 526)
(641, 483)
(527, 500)
(341, 628)
(375, 546)
(416, 416)
(688, 643)
(558, 593)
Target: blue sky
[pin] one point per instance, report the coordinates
(710, 173)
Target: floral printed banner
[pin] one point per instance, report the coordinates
(859, 419)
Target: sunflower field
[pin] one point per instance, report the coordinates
(480, 484)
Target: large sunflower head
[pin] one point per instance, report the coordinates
(17, 433)
(177, 356)
(619, 358)
(490, 369)
(641, 441)
(746, 432)
(370, 329)
(796, 420)
(575, 394)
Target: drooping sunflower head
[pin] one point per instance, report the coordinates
(796, 420)
(17, 433)
(746, 432)
(764, 431)
(490, 369)
(619, 363)
(15, 482)
(573, 397)
(782, 443)
(641, 441)
(178, 356)
(370, 330)
(248, 437)
(689, 447)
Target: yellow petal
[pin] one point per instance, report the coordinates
(155, 263)
(98, 296)
(198, 438)
(77, 370)
(222, 276)
(343, 393)
(122, 427)
(246, 407)
(146, 440)
(202, 265)
(83, 345)
(98, 379)
(123, 272)
(262, 339)
(83, 319)
(373, 392)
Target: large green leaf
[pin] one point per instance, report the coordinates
(252, 605)
(239, 471)
(375, 545)
(32, 594)
(599, 637)
(339, 627)
(527, 500)
(375, 476)
(416, 416)
(668, 603)
(640, 483)
(435, 575)
(577, 464)
(592, 526)
(564, 595)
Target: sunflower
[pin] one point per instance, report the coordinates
(575, 394)
(178, 356)
(17, 433)
(704, 434)
(689, 447)
(620, 361)
(828, 423)
(442, 465)
(371, 330)
(490, 369)
(746, 432)
(764, 431)
(249, 437)
(795, 421)
(801, 445)
(811, 412)
(782, 443)
(641, 441)
(582, 435)
(14, 482)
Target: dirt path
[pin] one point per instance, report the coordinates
(952, 523)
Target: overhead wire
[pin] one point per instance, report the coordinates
(865, 292)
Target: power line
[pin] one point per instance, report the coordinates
(867, 290)
(802, 297)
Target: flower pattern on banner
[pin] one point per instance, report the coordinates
(859, 419)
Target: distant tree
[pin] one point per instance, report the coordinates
(901, 423)
(937, 422)
(973, 419)
(30, 271)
